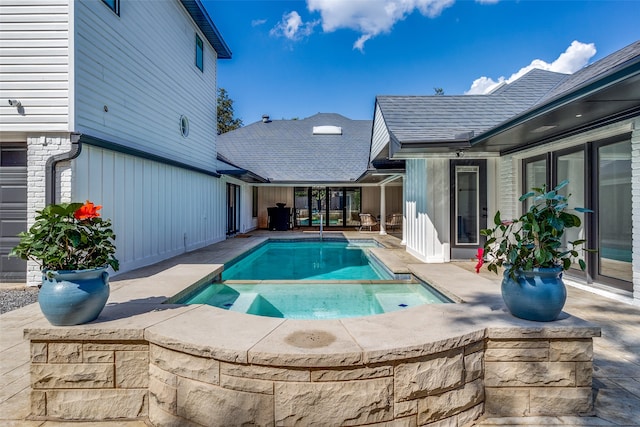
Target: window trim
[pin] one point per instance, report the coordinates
(115, 8)
(200, 48)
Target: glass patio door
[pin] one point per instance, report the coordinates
(614, 222)
(469, 207)
(318, 205)
(569, 165)
(233, 208)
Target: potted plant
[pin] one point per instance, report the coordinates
(533, 251)
(74, 248)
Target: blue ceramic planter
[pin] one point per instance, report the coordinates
(537, 295)
(73, 297)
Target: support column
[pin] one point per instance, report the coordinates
(404, 212)
(383, 209)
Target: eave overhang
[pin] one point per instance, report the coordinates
(225, 167)
(598, 102)
(200, 16)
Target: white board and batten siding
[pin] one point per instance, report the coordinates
(426, 195)
(34, 65)
(141, 67)
(380, 136)
(158, 211)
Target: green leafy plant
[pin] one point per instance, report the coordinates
(535, 239)
(69, 236)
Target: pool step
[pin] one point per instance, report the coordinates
(394, 302)
(243, 302)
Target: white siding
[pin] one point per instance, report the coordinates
(380, 137)
(34, 65)
(157, 210)
(427, 209)
(141, 66)
(635, 207)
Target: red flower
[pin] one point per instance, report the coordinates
(480, 258)
(86, 211)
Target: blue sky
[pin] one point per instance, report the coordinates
(297, 58)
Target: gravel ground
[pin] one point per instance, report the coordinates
(12, 299)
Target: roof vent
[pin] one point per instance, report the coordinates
(327, 130)
(265, 118)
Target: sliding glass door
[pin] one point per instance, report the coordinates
(334, 206)
(599, 175)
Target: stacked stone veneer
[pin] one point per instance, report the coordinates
(139, 380)
(538, 377)
(89, 380)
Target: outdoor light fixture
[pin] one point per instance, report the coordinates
(15, 103)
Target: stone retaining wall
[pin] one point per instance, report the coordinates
(89, 380)
(100, 380)
(538, 377)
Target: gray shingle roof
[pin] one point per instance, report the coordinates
(287, 150)
(445, 118)
(594, 71)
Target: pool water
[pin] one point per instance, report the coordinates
(308, 260)
(315, 300)
(311, 279)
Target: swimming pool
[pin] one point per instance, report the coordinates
(308, 260)
(311, 279)
(315, 300)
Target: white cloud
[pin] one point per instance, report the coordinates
(571, 60)
(292, 27)
(367, 17)
(371, 17)
(258, 22)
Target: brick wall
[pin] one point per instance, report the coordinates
(39, 149)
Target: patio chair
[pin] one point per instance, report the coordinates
(367, 220)
(393, 221)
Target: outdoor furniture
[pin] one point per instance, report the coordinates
(367, 220)
(393, 221)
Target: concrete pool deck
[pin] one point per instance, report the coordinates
(133, 307)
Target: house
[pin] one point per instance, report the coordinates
(469, 156)
(448, 163)
(314, 165)
(113, 101)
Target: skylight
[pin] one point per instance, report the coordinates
(327, 130)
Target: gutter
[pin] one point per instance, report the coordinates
(52, 162)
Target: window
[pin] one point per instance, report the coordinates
(13, 156)
(199, 53)
(184, 126)
(536, 174)
(113, 5)
(254, 206)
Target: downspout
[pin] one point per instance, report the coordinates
(50, 167)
